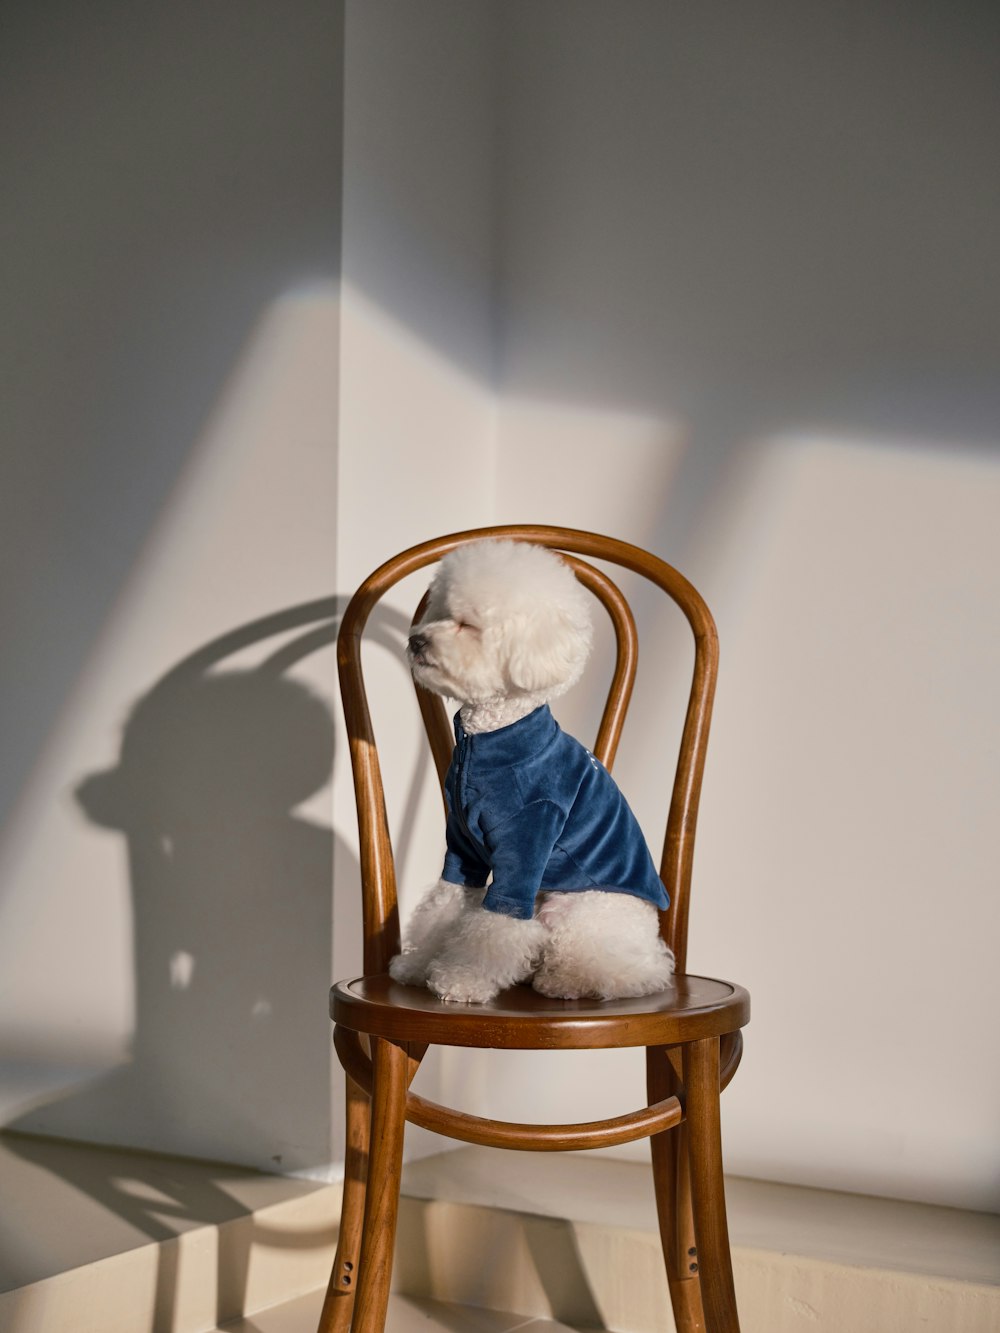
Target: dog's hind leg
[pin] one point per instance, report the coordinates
(602, 946)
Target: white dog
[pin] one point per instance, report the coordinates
(547, 875)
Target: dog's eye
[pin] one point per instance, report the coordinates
(464, 624)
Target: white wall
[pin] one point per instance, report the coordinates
(742, 320)
(417, 410)
(259, 426)
(715, 279)
(172, 190)
(749, 319)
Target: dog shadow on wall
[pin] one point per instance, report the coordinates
(232, 918)
(231, 908)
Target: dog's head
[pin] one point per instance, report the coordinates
(503, 619)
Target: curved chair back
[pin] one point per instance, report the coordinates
(378, 876)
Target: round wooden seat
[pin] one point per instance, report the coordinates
(521, 1019)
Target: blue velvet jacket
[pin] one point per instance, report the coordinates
(534, 808)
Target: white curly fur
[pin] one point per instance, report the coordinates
(601, 945)
(485, 954)
(436, 916)
(507, 628)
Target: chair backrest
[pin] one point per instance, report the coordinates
(378, 877)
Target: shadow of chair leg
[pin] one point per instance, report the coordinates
(556, 1255)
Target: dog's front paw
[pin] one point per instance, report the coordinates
(460, 986)
(457, 993)
(485, 954)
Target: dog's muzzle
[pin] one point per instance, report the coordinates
(417, 645)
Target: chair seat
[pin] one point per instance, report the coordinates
(519, 1018)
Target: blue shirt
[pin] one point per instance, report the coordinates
(534, 808)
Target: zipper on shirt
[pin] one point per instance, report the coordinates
(460, 789)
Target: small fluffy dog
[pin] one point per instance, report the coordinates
(547, 875)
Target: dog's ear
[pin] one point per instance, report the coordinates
(547, 653)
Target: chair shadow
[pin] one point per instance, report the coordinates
(562, 1274)
(555, 1258)
(232, 939)
(153, 1196)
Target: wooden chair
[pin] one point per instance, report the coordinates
(691, 1032)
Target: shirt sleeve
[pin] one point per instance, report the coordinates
(520, 849)
(462, 863)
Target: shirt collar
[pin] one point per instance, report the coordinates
(507, 745)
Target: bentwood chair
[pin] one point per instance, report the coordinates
(691, 1032)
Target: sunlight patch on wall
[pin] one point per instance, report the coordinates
(605, 471)
(246, 529)
(609, 472)
(418, 436)
(181, 969)
(417, 459)
(846, 855)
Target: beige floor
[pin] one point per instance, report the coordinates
(96, 1240)
(406, 1315)
(591, 1189)
(69, 1205)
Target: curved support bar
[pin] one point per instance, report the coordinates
(731, 1054)
(539, 1138)
(357, 1064)
(543, 1138)
(505, 1134)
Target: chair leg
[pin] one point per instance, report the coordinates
(672, 1183)
(391, 1072)
(715, 1267)
(339, 1303)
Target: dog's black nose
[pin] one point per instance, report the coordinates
(417, 643)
